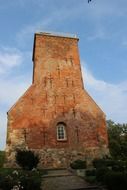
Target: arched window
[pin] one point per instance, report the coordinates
(61, 131)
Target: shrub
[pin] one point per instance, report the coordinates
(90, 172)
(6, 183)
(91, 179)
(116, 180)
(100, 174)
(78, 164)
(109, 162)
(27, 159)
(111, 173)
(30, 182)
(119, 166)
(99, 162)
(19, 179)
(2, 158)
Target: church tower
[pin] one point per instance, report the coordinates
(56, 117)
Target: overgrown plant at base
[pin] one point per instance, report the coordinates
(78, 164)
(27, 159)
(116, 180)
(19, 179)
(110, 173)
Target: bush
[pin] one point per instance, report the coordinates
(110, 162)
(90, 172)
(100, 174)
(2, 158)
(78, 164)
(27, 159)
(98, 163)
(6, 183)
(102, 162)
(27, 180)
(111, 173)
(116, 180)
(90, 179)
(119, 166)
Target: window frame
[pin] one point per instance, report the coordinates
(64, 131)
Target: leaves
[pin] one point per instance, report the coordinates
(117, 139)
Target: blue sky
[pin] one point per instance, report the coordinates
(102, 29)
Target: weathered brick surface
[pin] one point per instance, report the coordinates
(57, 95)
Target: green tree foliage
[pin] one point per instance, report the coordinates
(112, 171)
(117, 140)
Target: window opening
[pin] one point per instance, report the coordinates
(61, 131)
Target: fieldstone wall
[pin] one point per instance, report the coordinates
(61, 158)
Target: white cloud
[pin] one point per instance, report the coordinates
(69, 11)
(43, 23)
(3, 129)
(13, 88)
(93, 12)
(112, 98)
(9, 58)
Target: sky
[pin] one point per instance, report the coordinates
(101, 26)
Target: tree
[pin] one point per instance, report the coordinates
(117, 139)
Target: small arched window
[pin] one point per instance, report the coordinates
(61, 132)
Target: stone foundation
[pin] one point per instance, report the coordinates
(61, 158)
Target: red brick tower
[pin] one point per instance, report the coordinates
(56, 117)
